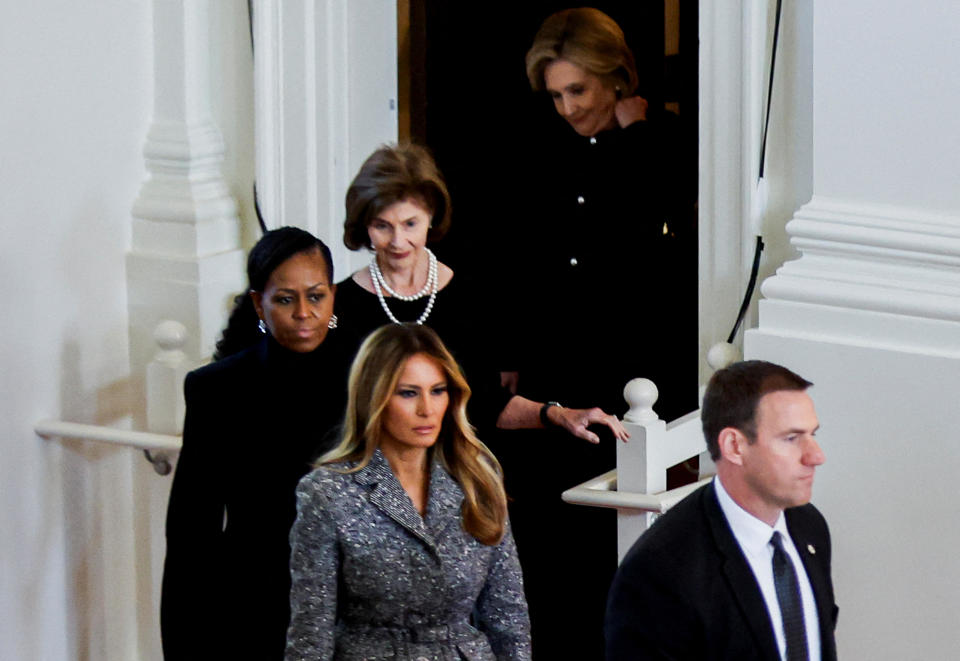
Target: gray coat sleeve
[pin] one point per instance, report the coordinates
(314, 561)
(502, 607)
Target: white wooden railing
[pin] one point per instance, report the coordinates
(637, 488)
(165, 405)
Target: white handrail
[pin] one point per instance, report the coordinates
(602, 491)
(142, 440)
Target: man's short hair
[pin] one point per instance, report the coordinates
(733, 394)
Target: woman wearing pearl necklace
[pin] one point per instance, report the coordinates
(397, 203)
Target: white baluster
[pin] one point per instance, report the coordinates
(641, 395)
(165, 374)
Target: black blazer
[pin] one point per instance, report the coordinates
(685, 590)
(255, 421)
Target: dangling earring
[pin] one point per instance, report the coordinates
(262, 326)
(333, 322)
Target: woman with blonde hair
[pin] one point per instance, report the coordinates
(402, 548)
(608, 280)
(580, 56)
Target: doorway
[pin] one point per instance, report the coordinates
(464, 93)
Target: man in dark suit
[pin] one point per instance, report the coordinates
(740, 569)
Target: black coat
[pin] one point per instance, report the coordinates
(686, 591)
(255, 421)
(604, 294)
(600, 295)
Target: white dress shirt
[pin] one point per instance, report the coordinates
(753, 536)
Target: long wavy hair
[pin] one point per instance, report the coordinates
(373, 380)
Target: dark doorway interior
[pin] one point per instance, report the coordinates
(470, 101)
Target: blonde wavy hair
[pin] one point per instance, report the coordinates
(373, 380)
(588, 38)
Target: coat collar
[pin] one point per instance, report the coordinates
(444, 500)
(741, 581)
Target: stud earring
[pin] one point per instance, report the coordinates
(333, 322)
(262, 326)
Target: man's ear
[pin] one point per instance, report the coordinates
(732, 442)
(257, 298)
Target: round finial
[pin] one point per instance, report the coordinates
(641, 394)
(170, 335)
(722, 354)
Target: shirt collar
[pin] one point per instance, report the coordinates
(751, 532)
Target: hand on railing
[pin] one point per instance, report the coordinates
(578, 421)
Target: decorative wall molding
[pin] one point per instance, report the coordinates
(185, 261)
(325, 96)
(859, 256)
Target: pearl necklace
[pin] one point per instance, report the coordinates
(431, 285)
(377, 274)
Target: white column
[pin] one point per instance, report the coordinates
(731, 58)
(871, 313)
(185, 263)
(326, 97)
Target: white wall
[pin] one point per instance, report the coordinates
(893, 97)
(871, 313)
(77, 85)
(75, 103)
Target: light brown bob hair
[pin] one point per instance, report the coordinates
(392, 174)
(373, 380)
(587, 38)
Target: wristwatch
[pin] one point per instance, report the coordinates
(543, 413)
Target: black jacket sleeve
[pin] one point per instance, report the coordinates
(192, 585)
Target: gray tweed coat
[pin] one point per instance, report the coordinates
(372, 579)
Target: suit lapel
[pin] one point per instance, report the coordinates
(742, 583)
(808, 547)
(388, 495)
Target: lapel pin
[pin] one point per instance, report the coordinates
(812, 550)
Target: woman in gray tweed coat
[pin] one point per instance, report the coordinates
(402, 547)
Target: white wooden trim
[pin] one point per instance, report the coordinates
(733, 52)
(602, 491)
(326, 89)
(141, 440)
(857, 256)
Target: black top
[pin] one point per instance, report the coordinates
(607, 266)
(460, 316)
(255, 422)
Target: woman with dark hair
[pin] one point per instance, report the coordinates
(401, 546)
(256, 419)
(397, 203)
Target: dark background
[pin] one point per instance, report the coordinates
(471, 103)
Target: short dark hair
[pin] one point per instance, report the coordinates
(733, 394)
(392, 174)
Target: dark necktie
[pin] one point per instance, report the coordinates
(791, 607)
